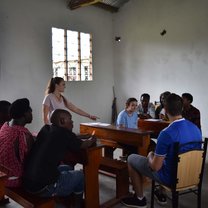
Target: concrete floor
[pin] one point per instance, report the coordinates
(107, 191)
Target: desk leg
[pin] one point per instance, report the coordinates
(91, 178)
(143, 149)
(3, 200)
(108, 152)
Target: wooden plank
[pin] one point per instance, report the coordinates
(154, 125)
(74, 4)
(135, 137)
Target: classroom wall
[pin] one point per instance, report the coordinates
(145, 61)
(25, 55)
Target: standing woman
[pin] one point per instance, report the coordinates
(55, 100)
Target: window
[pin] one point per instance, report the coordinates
(72, 55)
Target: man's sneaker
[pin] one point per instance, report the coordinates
(160, 197)
(133, 201)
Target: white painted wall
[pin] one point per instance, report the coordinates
(145, 61)
(25, 55)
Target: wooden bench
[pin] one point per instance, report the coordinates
(20, 196)
(119, 170)
(28, 200)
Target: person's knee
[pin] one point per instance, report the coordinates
(137, 162)
(131, 158)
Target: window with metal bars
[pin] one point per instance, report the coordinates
(72, 55)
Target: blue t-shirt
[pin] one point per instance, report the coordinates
(181, 131)
(129, 121)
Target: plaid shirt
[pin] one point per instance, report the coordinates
(193, 115)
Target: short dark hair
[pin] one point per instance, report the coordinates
(188, 96)
(19, 107)
(174, 104)
(145, 95)
(4, 106)
(132, 99)
(57, 115)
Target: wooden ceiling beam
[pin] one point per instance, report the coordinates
(74, 4)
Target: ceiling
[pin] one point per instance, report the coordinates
(109, 5)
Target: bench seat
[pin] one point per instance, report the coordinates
(119, 170)
(28, 200)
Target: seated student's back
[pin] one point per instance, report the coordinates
(43, 174)
(50, 148)
(4, 112)
(16, 141)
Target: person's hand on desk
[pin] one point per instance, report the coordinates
(83, 136)
(88, 142)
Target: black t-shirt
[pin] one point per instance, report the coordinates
(48, 151)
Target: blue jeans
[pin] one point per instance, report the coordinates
(69, 181)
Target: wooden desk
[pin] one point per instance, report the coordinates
(90, 158)
(91, 168)
(91, 161)
(154, 125)
(112, 134)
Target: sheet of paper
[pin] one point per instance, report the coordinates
(97, 123)
(153, 119)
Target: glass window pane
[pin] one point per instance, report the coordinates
(85, 56)
(58, 52)
(72, 45)
(58, 44)
(72, 55)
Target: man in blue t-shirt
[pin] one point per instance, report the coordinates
(159, 165)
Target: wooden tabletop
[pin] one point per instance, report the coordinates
(154, 125)
(112, 134)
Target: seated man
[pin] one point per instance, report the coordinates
(145, 108)
(4, 112)
(189, 111)
(158, 165)
(16, 140)
(43, 174)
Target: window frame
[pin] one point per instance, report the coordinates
(67, 76)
